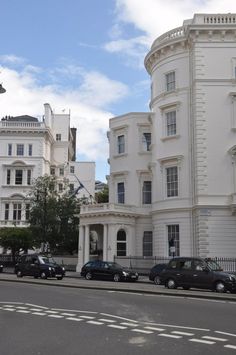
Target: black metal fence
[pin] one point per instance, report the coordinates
(143, 264)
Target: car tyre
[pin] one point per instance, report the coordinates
(220, 287)
(19, 273)
(186, 288)
(171, 284)
(157, 280)
(116, 277)
(59, 277)
(88, 276)
(43, 275)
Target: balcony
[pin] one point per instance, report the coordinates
(7, 125)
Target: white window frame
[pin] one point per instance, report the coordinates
(147, 251)
(120, 144)
(119, 194)
(20, 150)
(172, 182)
(173, 232)
(146, 145)
(30, 150)
(9, 149)
(170, 85)
(170, 123)
(58, 137)
(146, 193)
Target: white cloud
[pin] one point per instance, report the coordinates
(24, 95)
(154, 17)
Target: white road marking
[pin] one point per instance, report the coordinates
(22, 311)
(117, 317)
(129, 324)
(155, 328)
(51, 312)
(36, 309)
(202, 341)
(9, 309)
(142, 331)
(87, 317)
(35, 305)
(116, 326)
(94, 322)
(214, 338)
(69, 314)
(55, 316)
(170, 336)
(75, 319)
(230, 346)
(39, 313)
(183, 333)
(21, 307)
(177, 326)
(224, 333)
(107, 320)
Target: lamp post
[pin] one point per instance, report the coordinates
(2, 90)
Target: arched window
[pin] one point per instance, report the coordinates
(147, 244)
(121, 243)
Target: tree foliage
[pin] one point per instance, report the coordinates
(53, 216)
(17, 240)
(103, 195)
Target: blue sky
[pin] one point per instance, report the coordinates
(85, 56)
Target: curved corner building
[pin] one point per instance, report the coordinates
(172, 181)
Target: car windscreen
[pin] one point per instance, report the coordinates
(115, 266)
(213, 265)
(46, 260)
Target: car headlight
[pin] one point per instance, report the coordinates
(125, 273)
(232, 278)
(63, 268)
(49, 268)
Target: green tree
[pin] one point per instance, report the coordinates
(103, 195)
(53, 216)
(17, 240)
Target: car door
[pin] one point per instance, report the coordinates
(185, 273)
(96, 269)
(202, 276)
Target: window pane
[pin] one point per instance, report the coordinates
(30, 149)
(20, 149)
(147, 192)
(146, 140)
(121, 243)
(28, 177)
(121, 144)
(9, 149)
(170, 81)
(8, 176)
(17, 211)
(121, 192)
(58, 137)
(171, 123)
(72, 169)
(147, 243)
(173, 239)
(172, 181)
(6, 211)
(19, 177)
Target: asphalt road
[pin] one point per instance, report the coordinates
(37, 319)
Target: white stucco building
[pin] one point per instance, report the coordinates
(30, 148)
(172, 170)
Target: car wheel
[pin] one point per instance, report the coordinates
(171, 284)
(220, 286)
(19, 273)
(43, 275)
(88, 276)
(186, 287)
(157, 280)
(59, 277)
(116, 277)
(35, 277)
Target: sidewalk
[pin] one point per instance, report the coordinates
(143, 286)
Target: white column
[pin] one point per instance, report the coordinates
(80, 249)
(86, 244)
(105, 246)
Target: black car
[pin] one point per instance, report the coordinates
(197, 273)
(39, 266)
(155, 273)
(107, 270)
(1, 268)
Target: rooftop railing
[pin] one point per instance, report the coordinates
(14, 124)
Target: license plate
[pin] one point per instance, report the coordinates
(133, 277)
(57, 275)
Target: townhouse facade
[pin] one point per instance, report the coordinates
(30, 148)
(172, 182)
